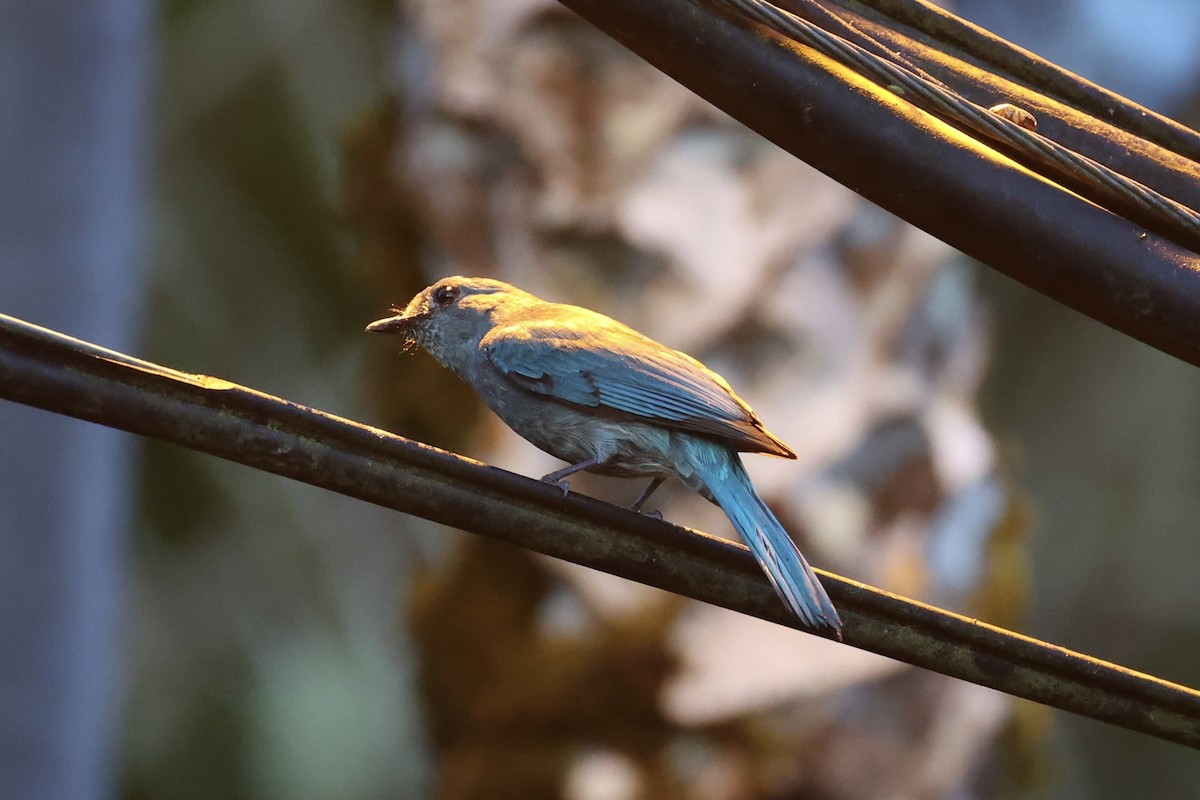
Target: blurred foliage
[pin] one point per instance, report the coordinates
(379, 209)
(263, 656)
(180, 497)
(295, 199)
(1002, 597)
(510, 700)
(253, 146)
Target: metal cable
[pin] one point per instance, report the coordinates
(1103, 181)
(48, 370)
(1096, 101)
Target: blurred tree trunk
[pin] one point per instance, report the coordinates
(542, 153)
(72, 112)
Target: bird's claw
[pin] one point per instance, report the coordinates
(652, 514)
(561, 483)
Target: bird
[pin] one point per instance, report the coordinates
(604, 398)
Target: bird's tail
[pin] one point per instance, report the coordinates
(723, 476)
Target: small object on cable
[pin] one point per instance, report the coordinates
(1015, 114)
(607, 399)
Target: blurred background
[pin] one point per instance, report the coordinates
(236, 188)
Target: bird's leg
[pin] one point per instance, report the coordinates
(558, 477)
(637, 504)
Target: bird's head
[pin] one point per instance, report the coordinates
(451, 316)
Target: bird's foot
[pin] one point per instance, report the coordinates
(558, 477)
(561, 483)
(637, 504)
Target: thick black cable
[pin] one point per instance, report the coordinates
(926, 171)
(1097, 181)
(52, 371)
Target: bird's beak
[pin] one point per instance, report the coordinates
(401, 323)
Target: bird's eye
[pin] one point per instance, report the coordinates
(445, 295)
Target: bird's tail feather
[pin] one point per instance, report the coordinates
(775, 551)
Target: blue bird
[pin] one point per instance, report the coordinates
(607, 399)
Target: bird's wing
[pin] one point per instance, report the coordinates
(599, 363)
